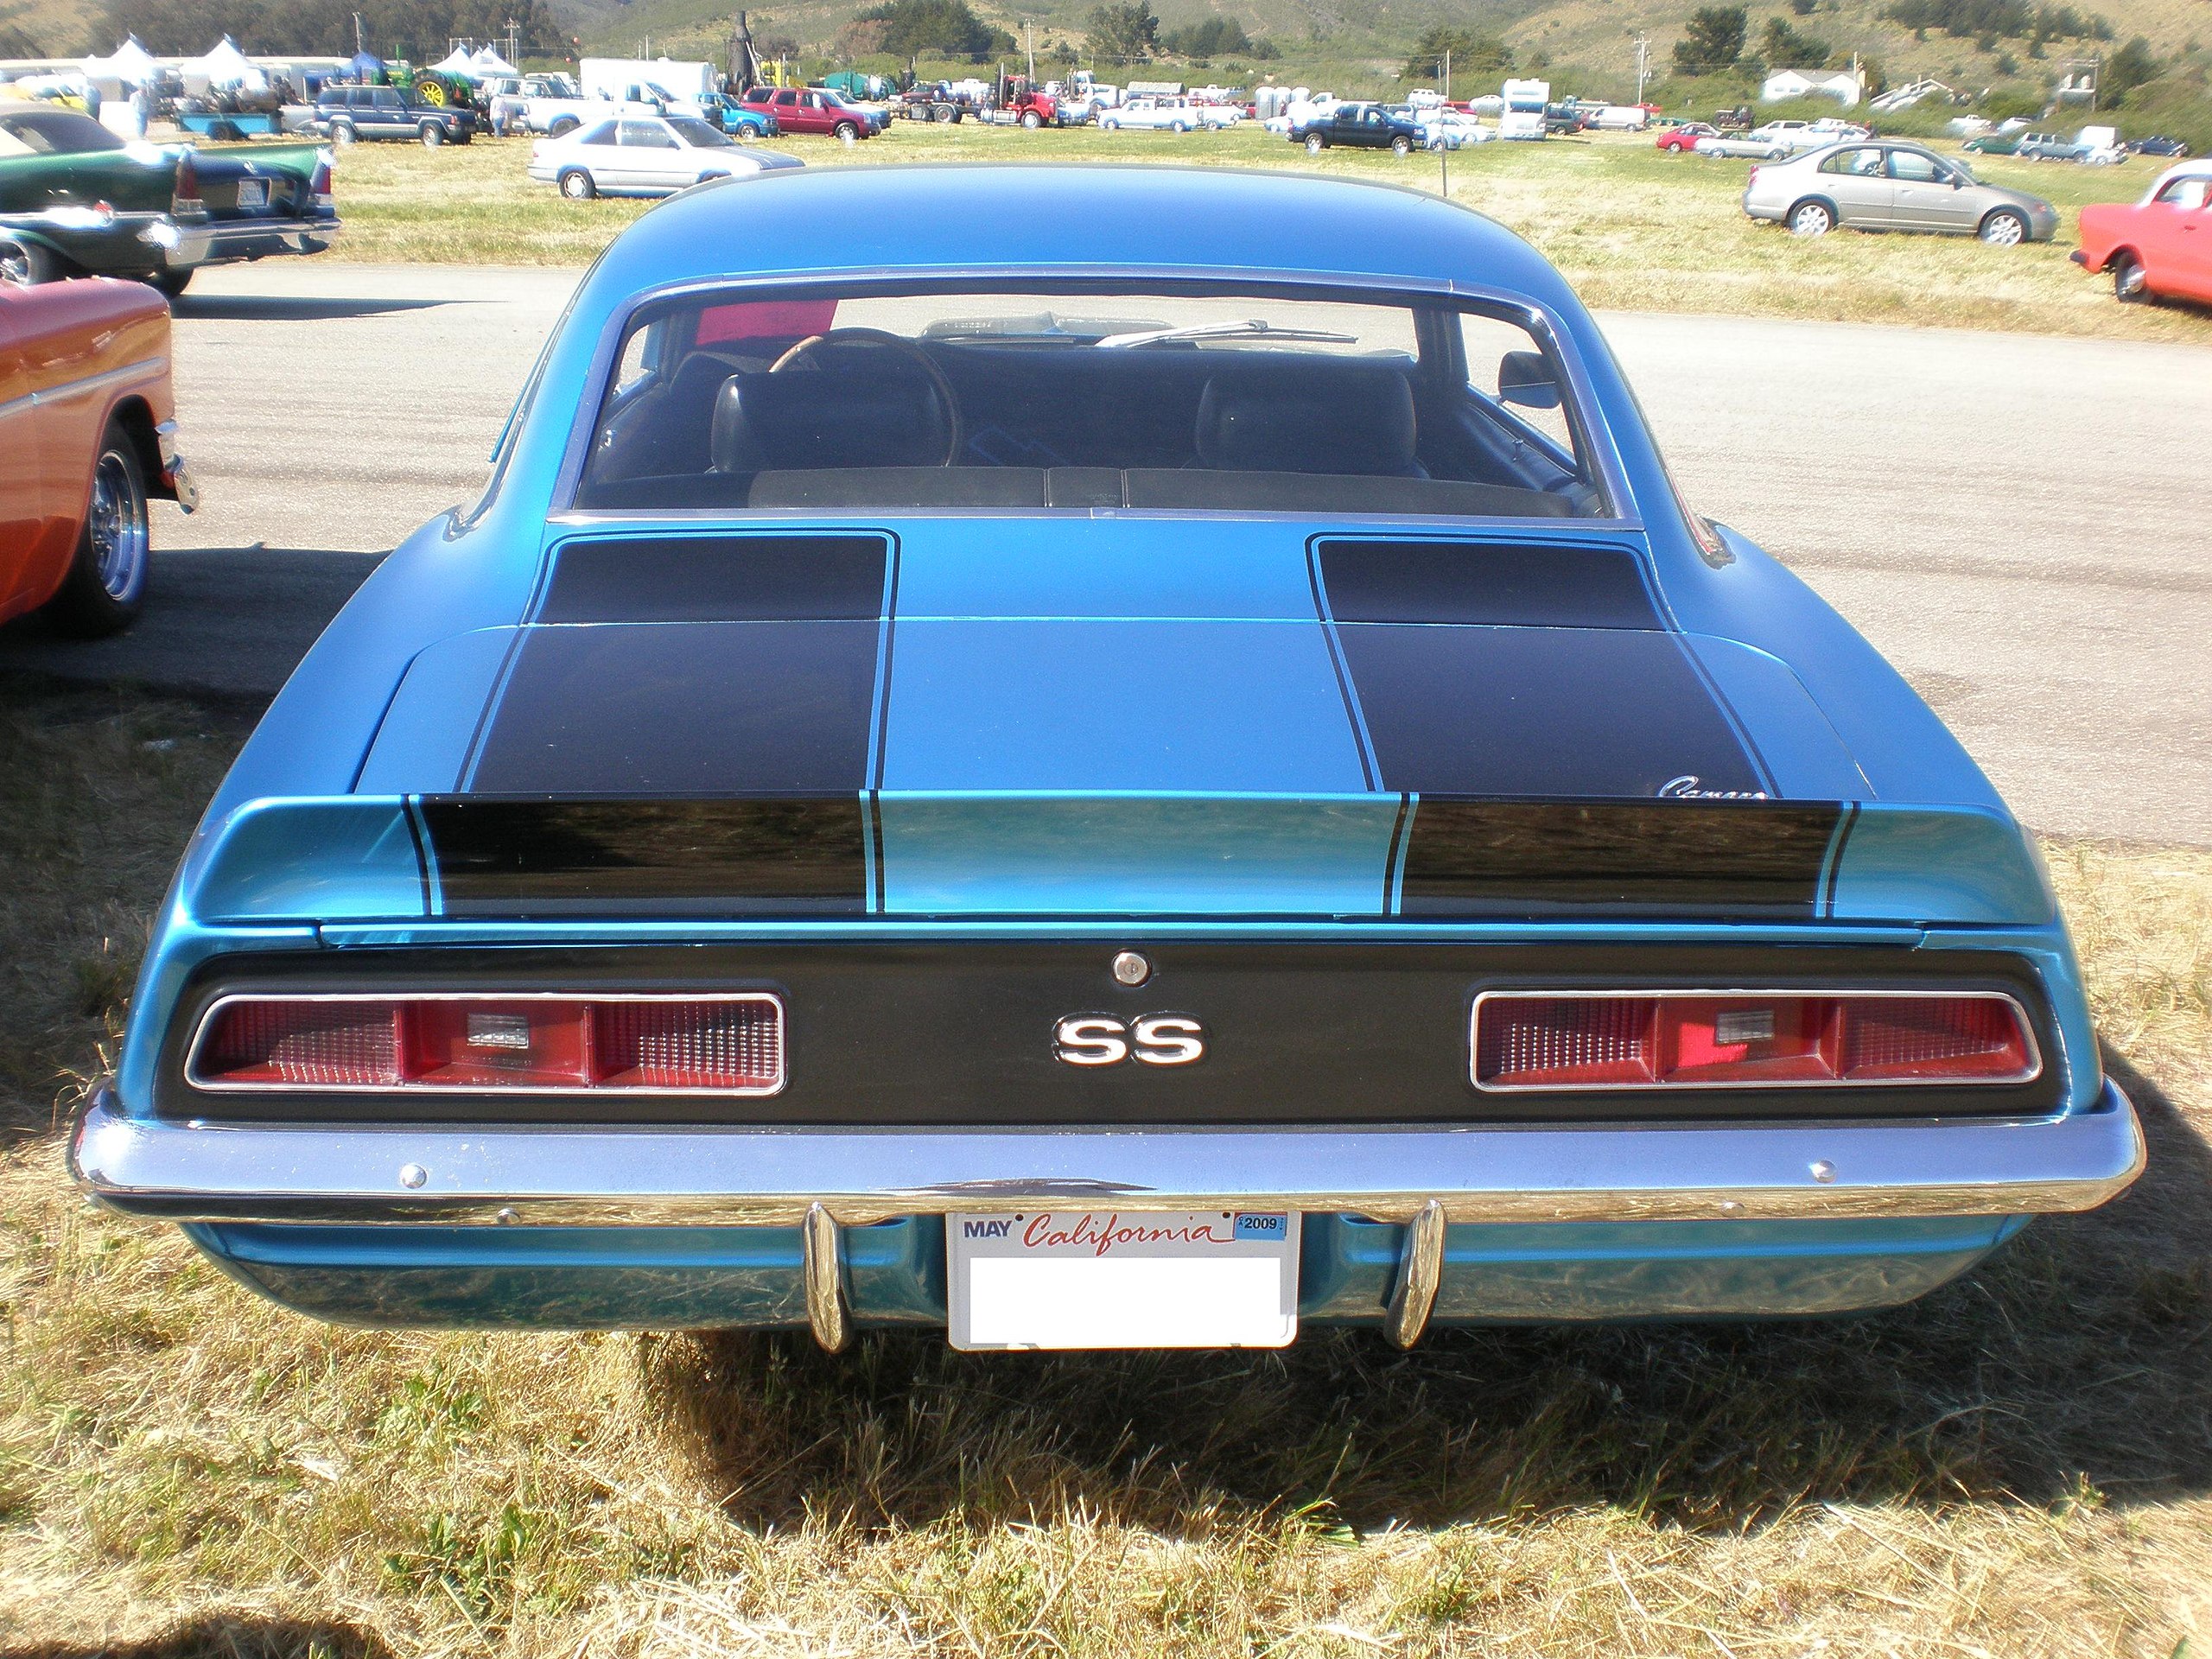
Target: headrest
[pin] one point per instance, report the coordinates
(1359, 422)
(809, 419)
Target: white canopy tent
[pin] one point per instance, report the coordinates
(223, 65)
(455, 62)
(129, 65)
(485, 63)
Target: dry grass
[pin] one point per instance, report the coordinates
(2020, 1464)
(1631, 229)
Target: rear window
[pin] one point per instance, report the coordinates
(56, 132)
(1189, 398)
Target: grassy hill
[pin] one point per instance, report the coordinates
(48, 26)
(1358, 45)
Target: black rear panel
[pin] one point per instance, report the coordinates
(957, 1033)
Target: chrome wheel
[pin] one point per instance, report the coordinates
(117, 526)
(1812, 218)
(2004, 230)
(2127, 281)
(14, 265)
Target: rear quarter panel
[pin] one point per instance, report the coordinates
(91, 352)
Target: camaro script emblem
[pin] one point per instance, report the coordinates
(1109, 1039)
(1690, 787)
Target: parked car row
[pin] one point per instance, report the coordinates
(1164, 114)
(2098, 146)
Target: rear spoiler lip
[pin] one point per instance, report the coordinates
(1124, 857)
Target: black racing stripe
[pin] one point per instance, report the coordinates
(1505, 585)
(609, 857)
(719, 579)
(1694, 858)
(698, 709)
(1524, 711)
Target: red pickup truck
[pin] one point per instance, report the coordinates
(814, 108)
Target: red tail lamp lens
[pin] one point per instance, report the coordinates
(1752, 1039)
(303, 1044)
(730, 1044)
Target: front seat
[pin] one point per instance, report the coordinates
(812, 418)
(1334, 420)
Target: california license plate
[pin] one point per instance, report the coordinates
(253, 192)
(1123, 1279)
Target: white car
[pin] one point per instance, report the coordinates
(1802, 137)
(1741, 144)
(644, 156)
(1450, 129)
(1160, 115)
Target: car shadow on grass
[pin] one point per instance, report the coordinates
(2081, 1354)
(221, 1637)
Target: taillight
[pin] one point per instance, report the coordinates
(319, 185)
(1743, 1040)
(726, 1042)
(184, 196)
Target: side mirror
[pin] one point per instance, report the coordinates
(1526, 378)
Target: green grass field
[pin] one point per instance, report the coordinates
(1631, 228)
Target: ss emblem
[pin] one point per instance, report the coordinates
(1109, 1039)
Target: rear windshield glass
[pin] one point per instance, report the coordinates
(1190, 399)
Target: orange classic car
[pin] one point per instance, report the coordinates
(87, 433)
(87, 436)
(2159, 247)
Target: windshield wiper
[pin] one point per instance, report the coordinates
(1253, 328)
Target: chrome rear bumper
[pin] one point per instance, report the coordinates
(774, 1176)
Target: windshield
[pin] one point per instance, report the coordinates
(696, 133)
(54, 132)
(1190, 398)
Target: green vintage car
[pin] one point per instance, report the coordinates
(75, 199)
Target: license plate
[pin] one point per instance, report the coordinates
(1122, 1279)
(253, 192)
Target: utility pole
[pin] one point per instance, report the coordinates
(1029, 31)
(1447, 77)
(1643, 66)
(360, 46)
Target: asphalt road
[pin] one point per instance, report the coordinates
(2021, 524)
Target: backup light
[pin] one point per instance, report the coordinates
(720, 1044)
(1748, 1039)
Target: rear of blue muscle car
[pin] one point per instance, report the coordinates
(1135, 806)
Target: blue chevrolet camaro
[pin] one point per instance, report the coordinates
(1096, 757)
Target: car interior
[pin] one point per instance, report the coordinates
(1222, 402)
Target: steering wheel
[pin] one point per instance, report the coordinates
(798, 357)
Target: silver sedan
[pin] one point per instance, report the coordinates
(636, 155)
(1893, 186)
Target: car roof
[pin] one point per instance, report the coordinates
(966, 218)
